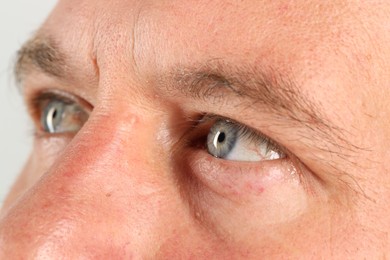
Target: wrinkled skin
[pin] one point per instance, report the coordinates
(128, 186)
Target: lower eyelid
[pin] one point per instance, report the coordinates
(237, 180)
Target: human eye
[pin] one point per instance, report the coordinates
(59, 113)
(224, 153)
(232, 141)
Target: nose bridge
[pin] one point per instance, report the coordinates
(102, 180)
(107, 147)
(115, 150)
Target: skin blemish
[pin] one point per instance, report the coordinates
(254, 188)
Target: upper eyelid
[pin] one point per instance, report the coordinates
(37, 99)
(49, 96)
(248, 131)
(255, 135)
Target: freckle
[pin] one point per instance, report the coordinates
(283, 8)
(257, 189)
(108, 195)
(46, 205)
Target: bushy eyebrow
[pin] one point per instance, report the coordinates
(258, 86)
(263, 86)
(39, 53)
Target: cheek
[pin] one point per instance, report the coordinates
(259, 212)
(248, 203)
(22, 183)
(45, 153)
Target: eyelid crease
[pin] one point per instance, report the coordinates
(42, 97)
(256, 136)
(50, 96)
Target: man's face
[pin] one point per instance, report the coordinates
(205, 129)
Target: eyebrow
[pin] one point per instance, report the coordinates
(269, 90)
(40, 53)
(265, 87)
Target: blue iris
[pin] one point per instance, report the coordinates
(222, 138)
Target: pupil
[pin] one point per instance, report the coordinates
(221, 137)
(55, 113)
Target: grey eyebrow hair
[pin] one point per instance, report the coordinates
(263, 87)
(39, 53)
(275, 92)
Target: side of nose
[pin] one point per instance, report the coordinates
(106, 195)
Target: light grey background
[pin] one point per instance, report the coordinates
(18, 21)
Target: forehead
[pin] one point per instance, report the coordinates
(304, 39)
(259, 31)
(301, 38)
(319, 41)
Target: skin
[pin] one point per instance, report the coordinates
(126, 185)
